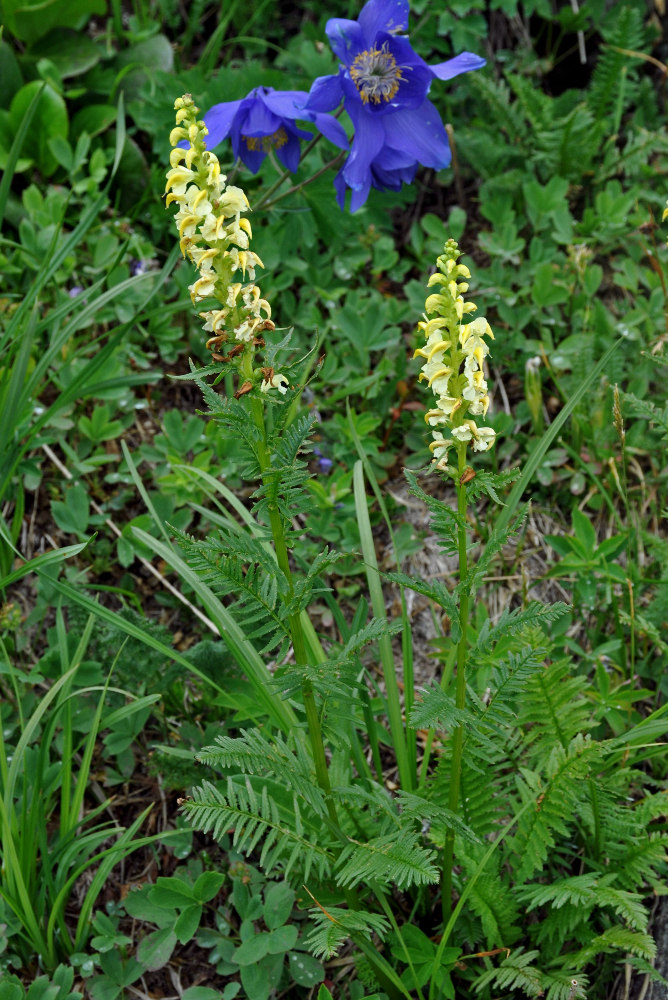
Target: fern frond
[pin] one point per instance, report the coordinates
(557, 794)
(497, 539)
(437, 710)
(615, 939)
(335, 677)
(436, 592)
(254, 819)
(553, 709)
(237, 565)
(507, 685)
(445, 521)
(559, 985)
(489, 484)
(254, 753)
(492, 901)
(515, 972)
(396, 858)
(511, 622)
(625, 31)
(432, 816)
(637, 861)
(333, 926)
(587, 892)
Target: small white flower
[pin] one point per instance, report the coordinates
(275, 381)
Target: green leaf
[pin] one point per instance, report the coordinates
(170, 892)
(282, 939)
(584, 531)
(305, 970)
(207, 886)
(72, 514)
(187, 925)
(156, 949)
(255, 981)
(71, 52)
(279, 899)
(50, 120)
(252, 950)
(93, 119)
(10, 74)
(32, 19)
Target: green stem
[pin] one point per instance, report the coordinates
(460, 688)
(294, 621)
(285, 174)
(302, 184)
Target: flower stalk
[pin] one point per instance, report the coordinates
(454, 355)
(215, 238)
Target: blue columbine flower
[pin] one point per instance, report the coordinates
(383, 84)
(265, 120)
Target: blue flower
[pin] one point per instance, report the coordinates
(384, 84)
(265, 120)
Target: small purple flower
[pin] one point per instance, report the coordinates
(384, 84)
(265, 120)
(74, 291)
(324, 464)
(137, 267)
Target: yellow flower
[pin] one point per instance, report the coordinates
(454, 355)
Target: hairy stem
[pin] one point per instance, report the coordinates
(294, 621)
(460, 688)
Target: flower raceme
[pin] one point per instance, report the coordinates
(215, 237)
(454, 355)
(384, 84)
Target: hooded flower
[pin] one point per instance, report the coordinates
(454, 354)
(215, 238)
(384, 84)
(265, 120)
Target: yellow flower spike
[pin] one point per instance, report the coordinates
(216, 238)
(453, 358)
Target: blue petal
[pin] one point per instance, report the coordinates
(383, 15)
(325, 94)
(367, 143)
(218, 121)
(332, 130)
(286, 103)
(360, 194)
(419, 134)
(290, 153)
(251, 157)
(463, 63)
(259, 120)
(340, 188)
(346, 38)
(394, 159)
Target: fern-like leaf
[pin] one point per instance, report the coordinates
(515, 972)
(254, 753)
(557, 794)
(396, 858)
(333, 926)
(512, 622)
(254, 819)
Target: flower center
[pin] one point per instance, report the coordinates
(376, 75)
(265, 143)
